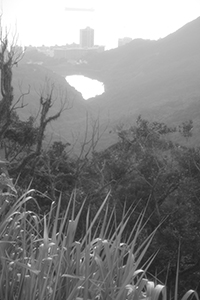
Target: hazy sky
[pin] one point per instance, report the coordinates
(47, 22)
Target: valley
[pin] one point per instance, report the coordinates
(157, 79)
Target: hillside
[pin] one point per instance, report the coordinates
(158, 79)
(34, 80)
(151, 70)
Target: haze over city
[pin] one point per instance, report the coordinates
(59, 22)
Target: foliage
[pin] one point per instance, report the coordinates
(40, 255)
(22, 141)
(41, 259)
(146, 169)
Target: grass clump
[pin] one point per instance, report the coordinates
(41, 258)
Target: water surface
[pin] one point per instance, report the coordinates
(88, 87)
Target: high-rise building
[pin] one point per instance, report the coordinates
(87, 37)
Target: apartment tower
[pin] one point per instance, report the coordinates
(87, 37)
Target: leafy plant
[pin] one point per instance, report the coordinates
(41, 258)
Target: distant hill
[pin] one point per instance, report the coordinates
(158, 79)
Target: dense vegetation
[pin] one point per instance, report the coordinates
(47, 233)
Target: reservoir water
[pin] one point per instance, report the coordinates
(88, 87)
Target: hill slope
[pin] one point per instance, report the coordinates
(158, 79)
(34, 80)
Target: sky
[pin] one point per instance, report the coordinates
(47, 22)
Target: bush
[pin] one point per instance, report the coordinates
(41, 259)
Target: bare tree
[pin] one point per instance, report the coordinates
(14, 149)
(46, 102)
(9, 56)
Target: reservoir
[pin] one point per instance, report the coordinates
(88, 87)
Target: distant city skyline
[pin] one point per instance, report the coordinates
(44, 22)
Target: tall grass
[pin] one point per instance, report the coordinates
(41, 259)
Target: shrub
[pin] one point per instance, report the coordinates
(41, 259)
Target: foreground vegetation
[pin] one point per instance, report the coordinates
(121, 223)
(41, 258)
